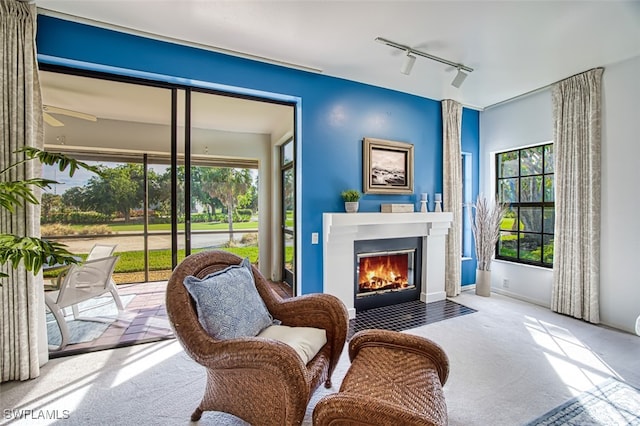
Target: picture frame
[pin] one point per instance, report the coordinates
(387, 167)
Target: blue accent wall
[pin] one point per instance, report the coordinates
(336, 114)
(470, 142)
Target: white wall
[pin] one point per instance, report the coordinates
(529, 121)
(620, 247)
(526, 121)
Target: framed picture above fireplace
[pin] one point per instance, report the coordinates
(387, 167)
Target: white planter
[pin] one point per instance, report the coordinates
(351, 206)
(483, 283)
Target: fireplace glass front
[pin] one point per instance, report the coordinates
(386, 272)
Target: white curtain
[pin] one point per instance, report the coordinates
(452, 192)
(21, 115)
(576, 257)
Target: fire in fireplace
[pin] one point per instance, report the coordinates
(387, 271)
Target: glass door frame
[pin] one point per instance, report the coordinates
(288, 276)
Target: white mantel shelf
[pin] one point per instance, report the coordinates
(356, 219)
(340, 230)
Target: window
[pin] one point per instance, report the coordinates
(524, 180)
(467, 189)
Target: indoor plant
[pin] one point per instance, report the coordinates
(350, 198)
(485, 225)
(32, 251)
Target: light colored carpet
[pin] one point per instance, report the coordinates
(511, 362)
(610, 403)
(81, 330)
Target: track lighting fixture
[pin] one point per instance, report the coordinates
(459, 79)
(410, 59)
(407, 65)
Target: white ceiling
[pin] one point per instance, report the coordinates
(112, 100)
(514, 46)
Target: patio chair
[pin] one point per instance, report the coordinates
(260, 380)
(101, 250)
(82, 282)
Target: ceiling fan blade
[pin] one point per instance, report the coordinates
(52, 121)
(56, 110)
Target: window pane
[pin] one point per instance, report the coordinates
(508, 244)
(531, 247)
(531, 161)
(548, 159)
(531, 189)
(549, 220)
(548, 249)
(508, 190)
(548, 189)
(509, 219)
(287, 153)
(508, 164)
(288, 198)
(531, 219)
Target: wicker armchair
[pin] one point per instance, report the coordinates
(261, 381)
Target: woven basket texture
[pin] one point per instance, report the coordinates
(262, 381)
(394, 379)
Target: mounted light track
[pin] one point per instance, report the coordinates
(457, 81)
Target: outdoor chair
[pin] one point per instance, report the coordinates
(260, 380)
(82, 282)
(101, 250)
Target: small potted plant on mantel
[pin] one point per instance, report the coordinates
(485, 225)
(350, 198)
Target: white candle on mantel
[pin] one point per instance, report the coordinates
(423, 196)
(438, 197)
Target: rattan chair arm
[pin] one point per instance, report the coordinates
(344, 408)
(253, 353)
(311, 310)
(407, 342)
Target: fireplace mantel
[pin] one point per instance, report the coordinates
(340, 230)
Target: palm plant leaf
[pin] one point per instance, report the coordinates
(15, 193)
(53, 158)
(33, 251)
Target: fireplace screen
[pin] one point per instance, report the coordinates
(380, 272)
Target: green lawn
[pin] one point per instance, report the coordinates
(167, 227)
(160, 260)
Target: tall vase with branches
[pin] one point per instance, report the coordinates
(485, 221)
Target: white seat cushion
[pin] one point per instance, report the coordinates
(306, 341)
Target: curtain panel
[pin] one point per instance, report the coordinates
(452, 192)
(21, 115)
(576, 268)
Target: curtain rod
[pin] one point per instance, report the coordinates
(539, 89)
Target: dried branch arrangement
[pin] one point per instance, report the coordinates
(485, 224)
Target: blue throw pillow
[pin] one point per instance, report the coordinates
(228, 303)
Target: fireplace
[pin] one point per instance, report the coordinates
(387, 271)
(341, 230)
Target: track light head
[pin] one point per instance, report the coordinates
(459, 79)
(407, 65)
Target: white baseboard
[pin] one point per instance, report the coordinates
(520, 297)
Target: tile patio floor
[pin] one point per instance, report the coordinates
(143, 320)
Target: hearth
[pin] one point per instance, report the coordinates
(387, 271)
